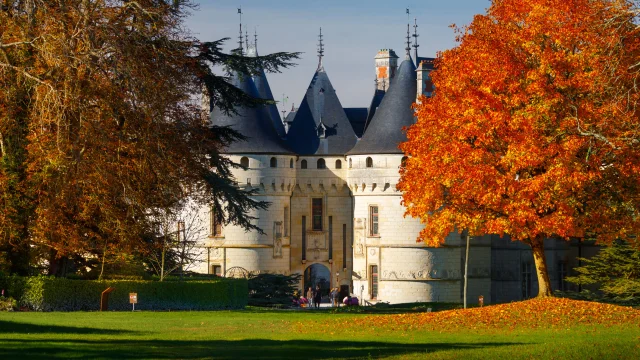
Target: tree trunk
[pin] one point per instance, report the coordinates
(466, 267)
(544, 285)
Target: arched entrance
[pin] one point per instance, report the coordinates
(317, 274)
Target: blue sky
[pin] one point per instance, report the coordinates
(353, 32)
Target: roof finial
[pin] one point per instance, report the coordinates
(408, 48)
(320, 51)
(240, 37)
(255, 37)
(415, 40)
(246, 38)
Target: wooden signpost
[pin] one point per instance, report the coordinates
(133, 300)
(104, 298)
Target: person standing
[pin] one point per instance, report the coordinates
(310, 296)
(317, 298)
(333, 296)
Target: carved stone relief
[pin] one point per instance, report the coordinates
(359, 230)
(277, 239)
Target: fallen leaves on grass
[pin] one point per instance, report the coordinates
(530, 314)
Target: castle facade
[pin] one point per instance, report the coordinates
(335, 215)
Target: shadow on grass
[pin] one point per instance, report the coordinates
(7, 327)
(221, 349)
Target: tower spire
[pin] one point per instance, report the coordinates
(408, 48)
(246, 38)
(255, 38)
(415, 40)
(240, 46)
(320, 51)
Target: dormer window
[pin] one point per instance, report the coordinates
(322, 131)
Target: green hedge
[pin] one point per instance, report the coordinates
(56, 294)
(12, 285)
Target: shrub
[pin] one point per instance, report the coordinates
(8, 304)
(57, 294)
(272, 289)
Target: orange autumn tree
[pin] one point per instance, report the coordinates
(532, 131)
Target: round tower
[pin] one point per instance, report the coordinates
(389, 264)
(269, 171)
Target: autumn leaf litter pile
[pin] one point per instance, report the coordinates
(530, 314)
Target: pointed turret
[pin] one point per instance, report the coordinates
(254, 123)
(264, 92)
(320, 126)
(385, 133)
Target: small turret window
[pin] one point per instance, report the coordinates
(244, 161)
(291, 163)
(274, 162)
(321, 164)
(303, 164)
(369, 162)
(403, 163)
(338, 164)
(350, 164)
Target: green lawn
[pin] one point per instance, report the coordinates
(252, 334)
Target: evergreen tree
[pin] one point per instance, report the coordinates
(615, 271)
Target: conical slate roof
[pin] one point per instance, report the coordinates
(385, 133)
(254, 123)
(264, 92)
(320, 126)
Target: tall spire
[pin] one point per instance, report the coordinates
(246, 38)
(408, 48)
(255, 38)
(240, 46)
(415, 40)
(320, 51)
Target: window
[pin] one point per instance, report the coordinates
(303, 164)
(344, 246)
(321, 164)
(244, 161)
(216, 270)
(274, 162)
(403, 163)
(216, 225)
(291, 163)
(373, 220)
(350, 164)
(374, 281)
(304, 238)
(286, 221)
(330, 237)
(562, 273)
(369, 162)
(526, 280)
(316, 214)
(338, 164)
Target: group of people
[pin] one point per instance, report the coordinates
(313, 298)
